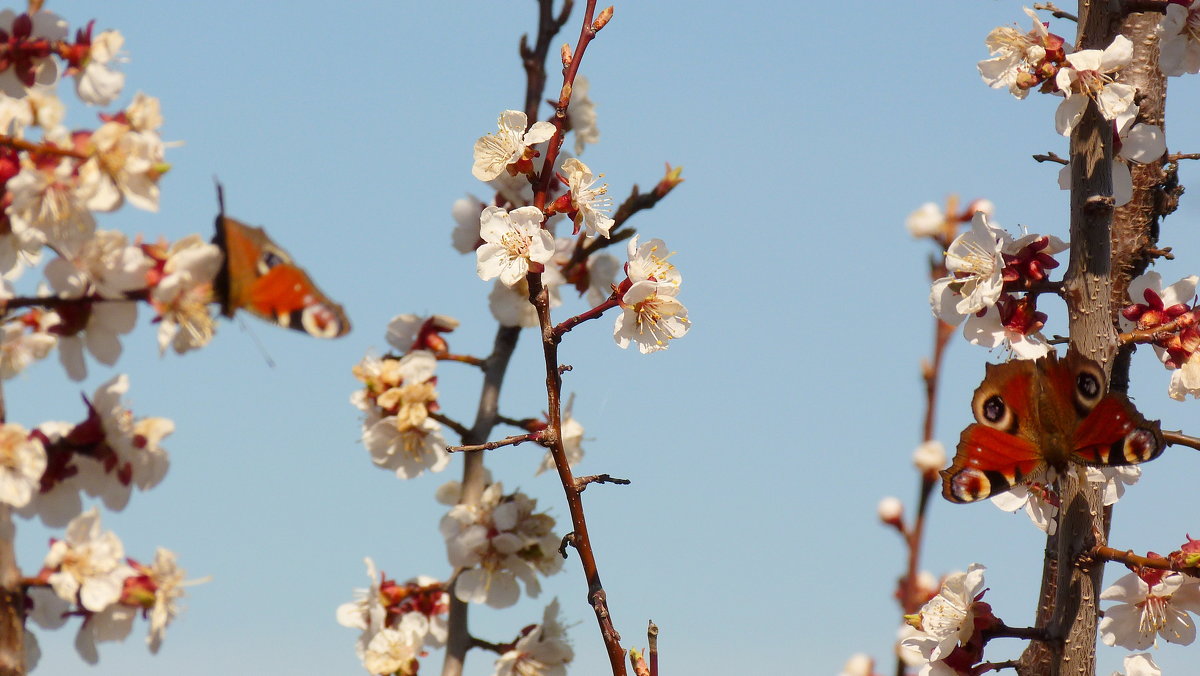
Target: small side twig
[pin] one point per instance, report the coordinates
(1051, 157)
(1055, 11)
(1132, 560)
(568, 540)
(1162, 331)
(522, 423)
(1181, 439)
(461, 358)
(1175, 157)
(652, 641)
(997, 666)
(581, 482)
(498, 648)
(460, 429)
(594, 313)
(492, 445)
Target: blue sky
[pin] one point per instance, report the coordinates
(758, 445)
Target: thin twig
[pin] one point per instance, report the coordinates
(652, 641)
(1055, 11)
(1051, 157)
(582, 482)
(492, 445)
(541, 187)
(498, 648)
(42, 148)
(459, 428)
(461, 358)
(594, 313)
(1132, 560)
(1156, 333)
(1181, 439)
(522, 423)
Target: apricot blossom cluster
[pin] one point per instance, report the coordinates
(1167, 315)
(53, 181)
(516, 238)
(992, 283)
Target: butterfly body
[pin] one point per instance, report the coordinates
(1032, 415)
(260, 277)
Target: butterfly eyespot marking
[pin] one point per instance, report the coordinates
(270, 257)
(993, 412)
(1140, 445)
(1089, 387)
(970, 485)
(320, 321)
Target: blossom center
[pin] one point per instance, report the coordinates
(516, 244)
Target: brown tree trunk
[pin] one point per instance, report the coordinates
(1108, 249)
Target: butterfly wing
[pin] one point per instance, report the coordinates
(1001, 448)
(260, 277)
(1107, 429)
(988, 461)
(1114, 433)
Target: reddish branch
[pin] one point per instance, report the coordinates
(541, 188)
(652, 641)
(1157, 333)
(597, 598)
(41, 148)
(534, 59)
(461, 358)
(496, 365)
(594, 313)
(1134, 561)
(1180, 439)
(539, 296)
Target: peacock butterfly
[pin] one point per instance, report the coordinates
(260, 277)
(1045, 413)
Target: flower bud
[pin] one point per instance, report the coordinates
(602, 20)
(858, 665)
(890, 511)
(930, 457)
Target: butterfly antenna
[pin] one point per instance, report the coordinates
(262, 349)
(220, 195)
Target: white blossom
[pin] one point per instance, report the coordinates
(88, 565)
(495, 152)
(1089, 77)
(512, 241)
(22, 461)
(1179, 39)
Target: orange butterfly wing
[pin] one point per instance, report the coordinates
(260, 277)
